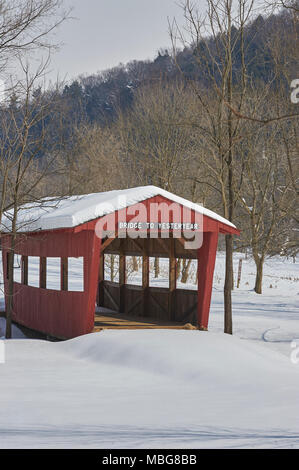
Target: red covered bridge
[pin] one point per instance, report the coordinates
(145, 221)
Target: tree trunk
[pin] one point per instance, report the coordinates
(10, 270)
(10, 274)
(228, 321)
(157, 268)
(135, 264)
(178, 268)
(112, 267)
(259, 276)
(9, 303)
(229, 279)
(185, 270)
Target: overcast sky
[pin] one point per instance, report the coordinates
(107, 32)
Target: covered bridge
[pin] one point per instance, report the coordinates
(144, 221)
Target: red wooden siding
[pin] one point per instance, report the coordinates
(206, 265)
(67, 314)
(61, 314)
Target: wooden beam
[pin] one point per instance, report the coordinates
(164, 309)
(100, 294)
(8, 256)
(42, 272)
(163, 243)
(106, 243)
(122, 277)
(106, 291)
(139, 246)
(206, 265)
(145, 272)
(172, 266)
(172, 279)
(24, 270)
(182, 242)
(188, 312)
(132, 306)
(64, 273)
(145, 281)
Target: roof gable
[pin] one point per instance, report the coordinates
(72, 211)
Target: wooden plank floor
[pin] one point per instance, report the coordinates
(108, 320)
(116, 321)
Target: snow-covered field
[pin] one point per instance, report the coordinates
(159, 388)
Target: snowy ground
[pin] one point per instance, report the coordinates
(165, 388)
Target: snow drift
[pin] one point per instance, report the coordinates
(150, 388)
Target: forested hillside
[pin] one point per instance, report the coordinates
(269, 58)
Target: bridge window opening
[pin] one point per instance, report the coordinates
(76, 274)
(111, 268)
(53, 273)
(134, 270)
(159, 272)
(17, 268)
(33, 271)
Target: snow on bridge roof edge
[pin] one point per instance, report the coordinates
(71, 211)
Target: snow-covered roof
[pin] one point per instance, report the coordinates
(72, 211)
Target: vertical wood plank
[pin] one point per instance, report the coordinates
(145, 279)
(92, 258)
(64, 273)
(24, 272)
(42, 272)
(122, 278)
(206, 265)
(172, 280)
(145, 271)
(8, 256)
(100, 294)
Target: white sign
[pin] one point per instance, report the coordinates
(187, 225)
(158, 225)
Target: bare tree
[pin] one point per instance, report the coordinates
(157, 144)
(267, 197)
(213, 39)
(291, 5)
(25, 140)
(94, 162)
(26, 25)
(282, 48)
(156, 147)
